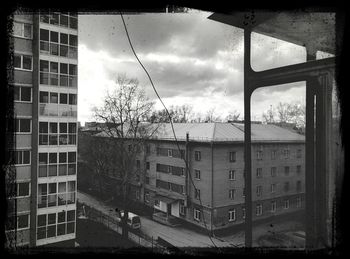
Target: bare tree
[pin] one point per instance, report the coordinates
(178, 114)
(293, 113)
(211, 116)
(233, 116)
(124, 113)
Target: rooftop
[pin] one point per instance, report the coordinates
(223, 132)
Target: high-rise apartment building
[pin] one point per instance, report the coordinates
(42, 179)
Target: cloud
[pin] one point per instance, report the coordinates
(189, 57)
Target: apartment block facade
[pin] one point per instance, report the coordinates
(44, 85)
(212, 195)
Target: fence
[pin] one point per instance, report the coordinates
(111, 223)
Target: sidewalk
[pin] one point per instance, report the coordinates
(179, 237)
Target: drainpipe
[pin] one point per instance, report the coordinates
(212, 188)
(187, 188)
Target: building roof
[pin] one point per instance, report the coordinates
(223, 132)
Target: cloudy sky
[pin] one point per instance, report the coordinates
(191, 59)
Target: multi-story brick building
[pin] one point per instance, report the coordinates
(213, 193)
(44, 82)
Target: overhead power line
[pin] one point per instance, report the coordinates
(171, 123)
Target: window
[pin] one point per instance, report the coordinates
(23, 189)
(299, 153)
(258, 210)
(273, 187)
(170, 152)
(22, 94)
(73, 23)
(63, 98)
(286, 204)
(23, 30)
(147, 197)
(298, 169)
(232, 215)
(197, 194)
(197, 214)
(273, 206)
(286, 186)
(286, 153)
(273, 171)
(72, 99)
(63, 20)
(298, 202)
(197, 155)
(231, 194)
(197, 174)
(273, 154)
(22, 221)
(258, 190)
(243, 212)
(23, 125)
(232, 175)
(182, 208)
(147, 179)
(21, 157)
(286, 170)
(42, 195)
(259, 154)
(298, 186)
(44, 97)
(232, 156)
(53, 97)
(23, 62)
(156, 203)
(258, 172)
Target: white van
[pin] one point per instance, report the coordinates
(134, 220)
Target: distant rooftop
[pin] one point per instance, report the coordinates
(223, 132)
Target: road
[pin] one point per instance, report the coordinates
(178, 236)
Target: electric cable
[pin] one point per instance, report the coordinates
(171, 123)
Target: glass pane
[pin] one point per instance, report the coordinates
(27, 31)
(63, 68)
(26, 94)
(44, 47)
(71, 186)
(73, 52)
(54, 98)
(63, 51)
(73, 81)
(23, 189)
(25, 125)
(72, 69)
(43, 171)
(71, 169)
(42, 201)
(43, 127)
(43, 139)
(54, 49)
(71, 157)
(64, 20)
(52, 200)
(54, 19)
(63, 139)
(17, 29)
(70, 227)
(17, 61)
(73, 23)
(44, 78)
(52, 170)
(44, 66)
(44, 35)
(62, 169)
(53, 79)
(63, 80)
(63, 100)
(53, 139)
(53, 127)
(44, 18)
(61, 199)
(61, 229)
(41, 233)
(51, 218)
(70, 215)
(23, 221)
(51, 231)
(16, 93)
(44, 97)
(27, 62)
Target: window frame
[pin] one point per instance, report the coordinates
(21, 55)
(23, 132)
(197, 174)
(197, 155)
(22, 30)
(232, 175)
(20, 93)
(197, 214)
(232, 156)
(230, 213)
